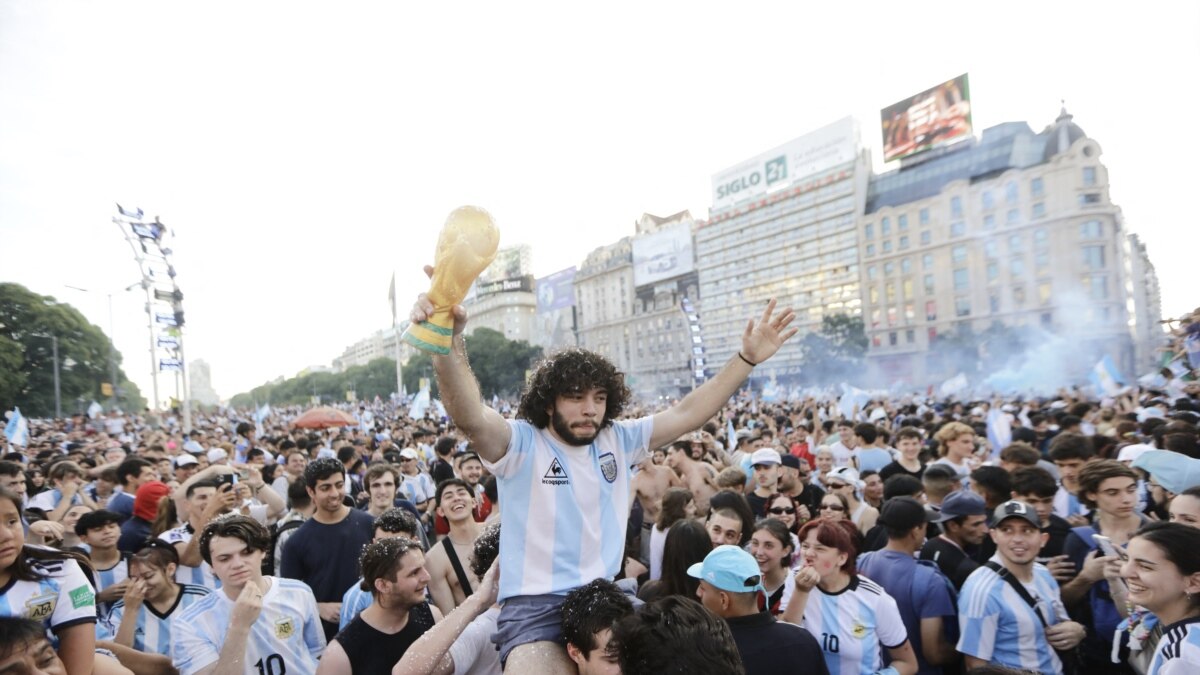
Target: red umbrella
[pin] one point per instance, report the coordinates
(323, 418)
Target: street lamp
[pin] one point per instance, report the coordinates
(57, 388)
(112, 349)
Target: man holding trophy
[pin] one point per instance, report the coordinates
(563, 466)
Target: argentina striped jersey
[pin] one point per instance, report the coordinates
(196, 576)
(153, 631)
(1178, 651)
(565, 507)
(61, 598)
(854, 625)
(999, 627)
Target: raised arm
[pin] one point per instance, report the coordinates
(430, 655)
(488, 431)
(760, 341)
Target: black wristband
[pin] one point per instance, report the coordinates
(748, 361)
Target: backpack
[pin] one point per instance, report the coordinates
(268, 563)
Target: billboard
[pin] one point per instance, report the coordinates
(556, 291)
(511, 262)
(523, 284)
(787, 164)
(662, 255)
(934, 117)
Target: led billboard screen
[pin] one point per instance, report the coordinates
(934, 117)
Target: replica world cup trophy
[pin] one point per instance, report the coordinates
(466, 246)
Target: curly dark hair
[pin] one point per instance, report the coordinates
(567, 371)
(486, 549)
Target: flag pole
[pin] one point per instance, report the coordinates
(396, 338)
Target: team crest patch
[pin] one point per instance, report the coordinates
(285, 628)
(608, 466)
(859, 631)
(40, 608)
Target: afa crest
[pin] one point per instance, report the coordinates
(40, 608)
(859, 631)
(608, 466)
(285, 628)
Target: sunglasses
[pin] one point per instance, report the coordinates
(832, 507)
(837, 486)
(780, 510)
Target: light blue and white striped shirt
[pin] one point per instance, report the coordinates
(1178, 651)
(286, 637)
(999, 627)
(354, 601)
(153, 632)
(565, 507)
(854, 626)
(196, 576)
(61, 598)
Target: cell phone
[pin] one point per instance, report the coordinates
(1107, 547)
(227, 479)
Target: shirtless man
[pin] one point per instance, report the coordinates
(650, 484)
(698, 477)
(447, 562)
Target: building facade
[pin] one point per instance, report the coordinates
(782, 226)
(507, 306)
(604, 303)
(380, 344)
(1016, 228)
(1146, 304)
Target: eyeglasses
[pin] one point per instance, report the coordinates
(780, 510)
(832, 507)
(837, 486)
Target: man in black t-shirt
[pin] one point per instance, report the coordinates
(1036, 487)
(964, 525)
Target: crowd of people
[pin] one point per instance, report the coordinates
(576, 531)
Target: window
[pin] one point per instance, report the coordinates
(903, 243)
(931, 311)
(1011, 217)
(906, 289)
(1018, 293)
(887, 245)
(926, 237)
(1010, 192)
(892, 338)
(1041, 262)
(869, 231)
(1043, 291)
(928, 284)
(1039, 209)
(989, 200)
(989, 222)
(1040, 237)
(889, 268)
(1016, 266)
(958, 254)
(871, 273)
(958, 229)
(909, 336)
(1014, 242)
(885, 226)
(1093, 257)
(962, 307)
(1089, 198)
(870, 250)
(1098, 287)
(923, 216)
(902, 223)
(1037, 187)
(1092, 229)
(993, 302)
(927, 261)
(889, 292)
(1089, 176)
(961, 279)
(905, 266)
(956, 207)
(993, 271)
(873, 295)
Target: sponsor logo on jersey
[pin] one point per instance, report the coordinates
(608, 466)
(82, 597)
(556, 474)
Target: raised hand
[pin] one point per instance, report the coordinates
(762, 339)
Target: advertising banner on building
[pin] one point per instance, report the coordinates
(662, 255)
(934, 117)
(519, 284)
(556, 291)
(787, 164)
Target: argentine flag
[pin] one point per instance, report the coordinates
(17, 429)
(999, 430)
(1105, 376)
(259, 416)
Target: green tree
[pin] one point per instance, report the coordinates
(27, 320)
(834, 353)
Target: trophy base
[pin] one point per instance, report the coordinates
(429, 337)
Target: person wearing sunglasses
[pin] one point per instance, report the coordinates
(834, 506)
(782, 508)
(845, 481)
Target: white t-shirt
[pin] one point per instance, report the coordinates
(473, 651)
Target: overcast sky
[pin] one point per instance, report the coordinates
(303, 151)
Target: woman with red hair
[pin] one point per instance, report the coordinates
(851, 616)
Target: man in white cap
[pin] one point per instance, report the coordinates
(845, 481)
(415, 484)
(765, 463)
(730, 582)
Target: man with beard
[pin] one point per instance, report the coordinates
(564, 469)
(794, 482)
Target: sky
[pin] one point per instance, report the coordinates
(303, 152)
